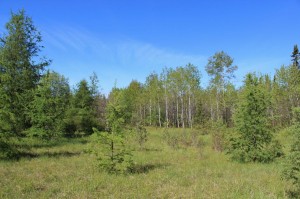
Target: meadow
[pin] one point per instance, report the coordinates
(62, 169)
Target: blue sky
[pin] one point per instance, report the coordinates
(124, 40)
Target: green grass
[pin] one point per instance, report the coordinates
(63, 170)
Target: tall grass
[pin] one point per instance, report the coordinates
(63, 170)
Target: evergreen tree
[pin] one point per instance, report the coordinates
(81, 115)
(49, 105)
(292, 169)
(20, 71)
(254, 137)
(110, 147)
(296, 57)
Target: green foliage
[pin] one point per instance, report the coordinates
(220, 68)
(141, 135)
(81, 114)
(20, 70)
(49, 105)
(292, 166)
(254, 136)
(177, 139)
(296, 57)
(79, 120)
(218, 130)
(7, 150)
(7, 122)
(112, 154)
(152, 95)
(285, 94)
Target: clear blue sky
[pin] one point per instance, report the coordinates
(124, 40)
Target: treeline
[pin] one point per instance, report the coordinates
(174, 97)
(40, 103)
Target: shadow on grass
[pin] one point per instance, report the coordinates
(295, 194)
(145, 168)
(148, 149)
(152, 149)
(30, 155)
(39, 143)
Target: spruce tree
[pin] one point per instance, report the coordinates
(110, 147)
(296, 57)
(254, 135)
(292, 167)
(81, 115)
(20, 71)
(49, 104)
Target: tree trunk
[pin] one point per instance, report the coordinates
(159, 120)
(182, 112)
(190, 110)
(150, 109)
(166, 98)
(211, 112)
(177, 114)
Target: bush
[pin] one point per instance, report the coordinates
(7, 151)
(218, 135)
(171, 139)
(42, 133)
(240, 150)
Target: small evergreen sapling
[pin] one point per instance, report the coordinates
(113, 154)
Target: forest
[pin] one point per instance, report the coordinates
(180, 139)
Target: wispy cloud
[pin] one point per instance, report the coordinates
(128, 53)
(69, 38)
(81, 52)
(150, 55)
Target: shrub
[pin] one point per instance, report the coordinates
(171, 139)
(141, 135)
(183, 139)
(7, 151)
(218, 132)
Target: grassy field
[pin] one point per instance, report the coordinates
(63, 170)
